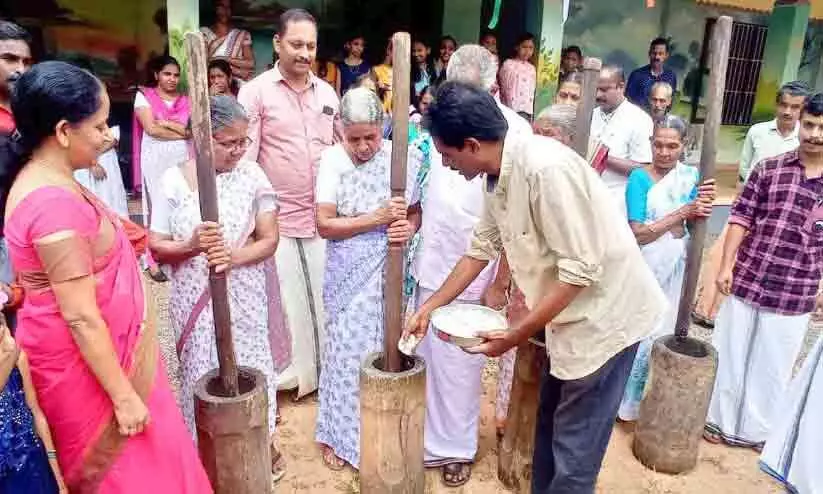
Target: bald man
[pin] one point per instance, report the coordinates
(621, 127)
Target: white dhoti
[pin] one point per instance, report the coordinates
(756, 352)
(453, 391)
(793, 450)
(300, 265)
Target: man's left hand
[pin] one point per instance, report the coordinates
(817, 315)
(496, 343)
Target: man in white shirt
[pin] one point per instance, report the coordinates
(622, 127)
(451, 208)
(778, 136)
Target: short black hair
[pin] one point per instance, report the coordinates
(460, 111)
(523, 38)
(814, 105)
(448, 37)
(572, 49)
(658, 42)
(794, 88)
(486, 33)
(10, 31)
(293, 15)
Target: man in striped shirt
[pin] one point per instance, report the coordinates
(771, 270)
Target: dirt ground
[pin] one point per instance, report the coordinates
(720, 469)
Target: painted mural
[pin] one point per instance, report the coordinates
(115, 39)
(548, 57)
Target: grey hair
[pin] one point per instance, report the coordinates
(675, 123)
(665, 86)
(615, 72)
(225, 111)
(794, 88)
(473, 65)
(361, 106)
(561, 116)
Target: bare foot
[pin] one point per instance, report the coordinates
(278, 464)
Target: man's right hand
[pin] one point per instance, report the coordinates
(418, 324)
(724, 281)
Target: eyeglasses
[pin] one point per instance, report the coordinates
(235, 143)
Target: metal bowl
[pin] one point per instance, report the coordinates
(454, 323)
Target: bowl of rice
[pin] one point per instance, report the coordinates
(459, 323)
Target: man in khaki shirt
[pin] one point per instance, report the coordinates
(575, 259)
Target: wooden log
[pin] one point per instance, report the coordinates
(673, 412)
(392, 416)
(583, 124)
(514, 463)
(207, 189)
(682, 369)
(718, 64)
(233, 433)
(393, 292)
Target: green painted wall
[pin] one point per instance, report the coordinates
(461, 19)
(183, 17)
(782, 56)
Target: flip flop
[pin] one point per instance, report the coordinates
(702, 320)
(460, 473)
(332, 461)
(712, 437)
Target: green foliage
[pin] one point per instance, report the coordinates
(177, 49)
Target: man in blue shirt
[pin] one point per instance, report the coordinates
(641, 80)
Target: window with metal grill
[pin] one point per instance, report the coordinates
(745, 60)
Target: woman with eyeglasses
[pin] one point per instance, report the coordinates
(243, 243)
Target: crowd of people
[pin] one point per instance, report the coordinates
(584, 253)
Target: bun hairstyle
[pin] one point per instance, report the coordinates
(41, 98)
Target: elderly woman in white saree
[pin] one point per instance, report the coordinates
(357, 217)
(660, 198)
(244, 242)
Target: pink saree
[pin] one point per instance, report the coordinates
(94, 457)
(179, 112)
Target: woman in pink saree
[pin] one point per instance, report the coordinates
(86, 323)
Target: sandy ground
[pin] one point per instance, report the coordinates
(720, 469)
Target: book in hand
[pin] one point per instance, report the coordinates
(599, 158)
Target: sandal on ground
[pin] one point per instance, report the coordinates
(456, 474)
(712, 437)
(278, 464)
(702, 320)
(332, 461)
